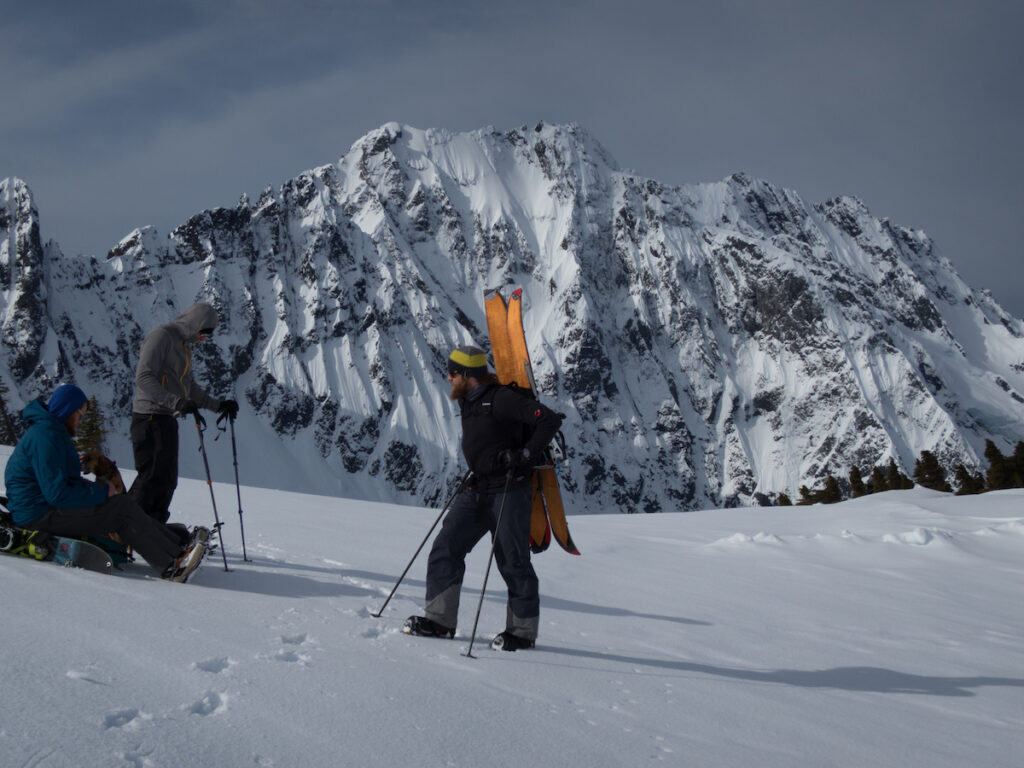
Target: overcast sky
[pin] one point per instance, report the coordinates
(124, 113)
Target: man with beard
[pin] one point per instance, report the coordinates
(503, 435)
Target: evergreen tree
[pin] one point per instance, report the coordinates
(857, 487)
(879, 482)
(784, 500)
(832, 492)
(1018, 464)
(895, 479)
(8, 432)
(91, 435)
(930, 474)
(966, 482)
(1000, 471)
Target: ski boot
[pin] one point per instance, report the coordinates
(424, 627)
(506, 641)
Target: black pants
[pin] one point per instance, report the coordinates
(155, 444)
(470, 518)
(118, 514)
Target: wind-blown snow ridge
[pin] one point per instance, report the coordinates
(920, 536)
(711, 344)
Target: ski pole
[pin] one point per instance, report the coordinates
(238, 489)
(209, 482)
(444, 509)
(487, 573)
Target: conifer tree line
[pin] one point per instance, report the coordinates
(1003, 472)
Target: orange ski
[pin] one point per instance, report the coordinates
(540, 528)
(497, 327)
(505, 368)
(512, 365)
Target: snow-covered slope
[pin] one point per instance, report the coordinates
(711, 344)
(880, 632)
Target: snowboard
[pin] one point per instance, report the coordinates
(512, 366)
(60, 550)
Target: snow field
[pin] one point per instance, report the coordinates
(884, 631)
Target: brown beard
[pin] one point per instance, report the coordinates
(460, 388)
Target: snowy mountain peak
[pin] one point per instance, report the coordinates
(711, 344)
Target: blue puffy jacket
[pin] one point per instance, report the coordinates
(45, 472)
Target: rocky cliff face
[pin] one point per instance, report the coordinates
(711, 344)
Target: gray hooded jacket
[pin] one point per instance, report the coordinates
(163, 379)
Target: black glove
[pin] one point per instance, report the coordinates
(192, 407)
(228, 409)
(512, 459)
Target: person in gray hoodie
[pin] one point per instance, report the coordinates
(164, 390)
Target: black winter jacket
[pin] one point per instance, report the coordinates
(496, 418)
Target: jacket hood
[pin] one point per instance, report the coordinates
(36, 411)
(66, 399)
(195, 318)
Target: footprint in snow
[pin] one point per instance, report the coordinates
(214, 666)
(211, 704)
(292, 656)
(290, 652)
(125, 718)
(138, 759)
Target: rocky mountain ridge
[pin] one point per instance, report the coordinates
(712, 344)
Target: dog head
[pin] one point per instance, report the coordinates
(96, 463)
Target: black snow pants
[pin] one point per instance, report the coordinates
(119, 514)
(155, 444)
(472, 515)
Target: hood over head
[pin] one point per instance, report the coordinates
(198, 317)
(65, 400)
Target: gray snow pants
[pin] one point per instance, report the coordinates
(472, 515)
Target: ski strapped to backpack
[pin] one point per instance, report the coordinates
(514, 370)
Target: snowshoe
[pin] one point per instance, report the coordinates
(506, 641)
(424, 627)
(190, 559)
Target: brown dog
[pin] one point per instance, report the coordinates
(104, 469)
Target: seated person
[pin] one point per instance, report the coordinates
(46, 491)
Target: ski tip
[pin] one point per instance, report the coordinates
(516, 295)
(490, 293)
(569, 545)
(536, 547)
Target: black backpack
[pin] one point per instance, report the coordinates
(555, 451)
